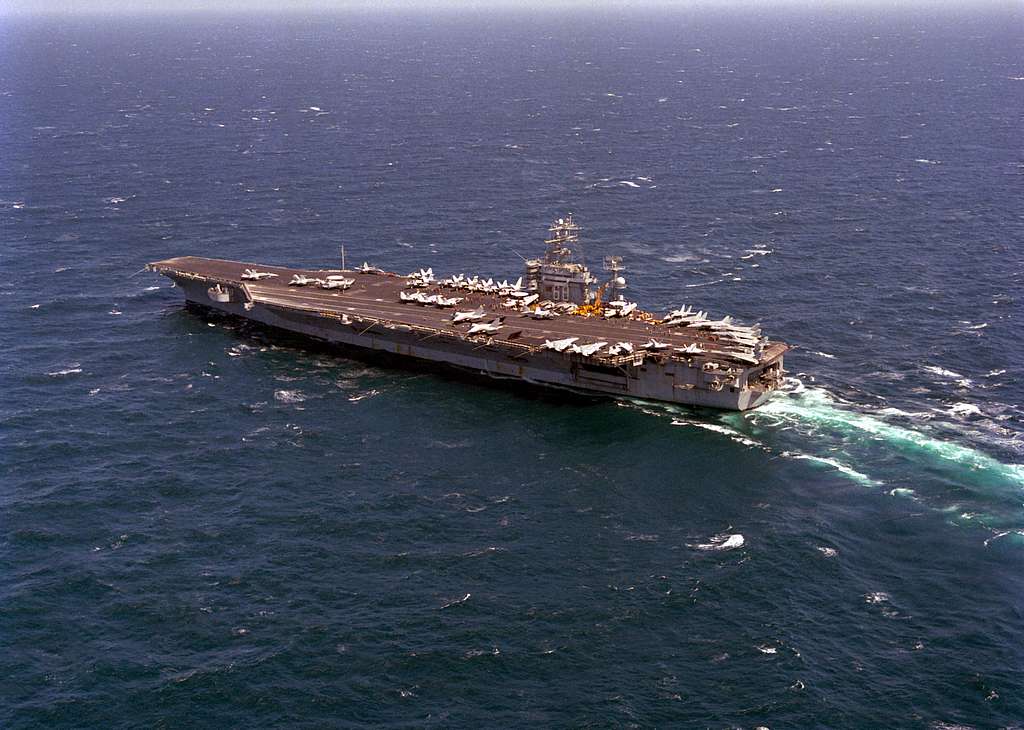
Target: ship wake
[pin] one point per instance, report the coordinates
(810, 424)
(817, 414)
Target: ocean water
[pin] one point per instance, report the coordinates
(201, 525)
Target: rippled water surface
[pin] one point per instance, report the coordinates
(205, 526)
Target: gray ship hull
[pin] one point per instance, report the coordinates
(652, 378)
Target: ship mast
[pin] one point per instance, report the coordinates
(564, 244)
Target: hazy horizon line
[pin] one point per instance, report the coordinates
(248, 7)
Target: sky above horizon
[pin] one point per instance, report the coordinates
(122, 7)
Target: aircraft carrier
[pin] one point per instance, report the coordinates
(558, 325)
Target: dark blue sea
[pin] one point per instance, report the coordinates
(203, 525)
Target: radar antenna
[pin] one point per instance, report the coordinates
(564, 244)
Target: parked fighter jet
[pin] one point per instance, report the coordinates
(683, 311)
(619, 308)
(588, 350)
(691, 349)
(560, 345)
(475, 316)
(446, 302)
(486, 328)
(684, 316)
(414, 298)
(513, 290)
(620, 347)
(300, 280)
(540, 312)
(254, 275)
(653, 344)
(367, 269)
(712, 324)
(423, 277)
(337, 282)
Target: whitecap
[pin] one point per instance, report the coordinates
(928, 162)
(682, 259)
(942, 371)
(289, 396)
(629, 183)
(472, 653)
(722, 541)
(823, 354)
(876, 597)
(827, 552)
(766, 649)
(457, 601)
(960, 410)
(1004, 533)
(837, 465)
(916, 415)
(73, 370)
(724, 430)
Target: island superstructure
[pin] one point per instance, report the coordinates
(559, 325)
